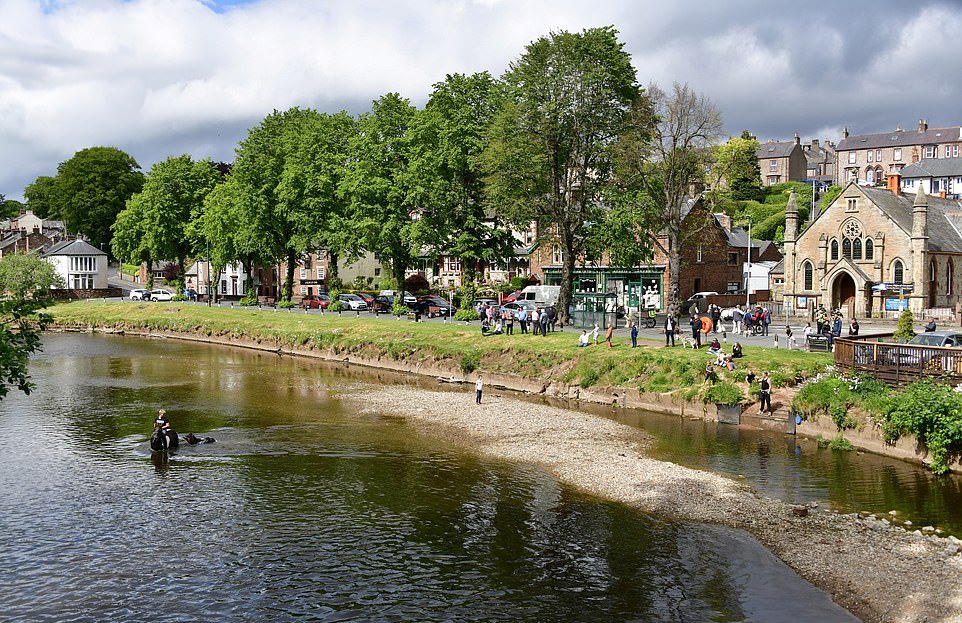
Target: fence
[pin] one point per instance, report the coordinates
(897, 364)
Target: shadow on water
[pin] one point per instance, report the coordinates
(303, 510)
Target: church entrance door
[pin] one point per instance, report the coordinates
(843, 295)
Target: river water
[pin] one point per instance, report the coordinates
(303, 510)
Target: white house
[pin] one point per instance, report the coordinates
(936, 176)
(81, 265)
(230, 281)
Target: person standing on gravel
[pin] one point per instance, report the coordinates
(478, 388)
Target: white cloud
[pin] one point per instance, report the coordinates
(156, 77)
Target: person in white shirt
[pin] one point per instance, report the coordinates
(478, 388)
(583, 340)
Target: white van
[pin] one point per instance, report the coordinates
(541, 295)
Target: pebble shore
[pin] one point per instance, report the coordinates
(879, 571)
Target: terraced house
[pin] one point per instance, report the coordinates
(871, 158)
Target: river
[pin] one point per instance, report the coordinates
(303, 510)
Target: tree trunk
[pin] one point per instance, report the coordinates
(399, 277)
(674, 272)
(289, 276)
(248, 278)
(567, 285)
(150, 274)
(332, 258)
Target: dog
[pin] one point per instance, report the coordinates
(689, 342)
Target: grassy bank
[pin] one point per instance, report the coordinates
(458, 346)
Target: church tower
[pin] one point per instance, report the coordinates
(791, 231)
(920, 248)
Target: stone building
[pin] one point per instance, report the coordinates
(871, 158)
(782, 161)
(874, 250)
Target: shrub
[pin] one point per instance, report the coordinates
(417, 283)
(335, 305)
(589, 378)
(904, 330)
(249, 299)
(470, 361)
(178, 297)
(285, 304)
(723, 393)
(466, 315)
(399, 308)
(933, 413)
(839, 442)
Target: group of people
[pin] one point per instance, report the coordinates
(746, 319)
(585, 339)
(497, 321)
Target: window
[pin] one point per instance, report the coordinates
(303, 290)
(732, 287)
(878, 155)
(84, 264)
(82, 282)
(929, 151)
(870, 175)
(557, 257)
(307, 262)
(870, 156)
(452, 264)
(851, 157)
(898, 272)
(807, 268)
(223, 286)
(733, 258)
(933, 271)
(320, 272)
(933, 186)
(772, 180)
(949, 274)
(834, 249)
(955, 151)
(857, 249)
(869, 248)
(303, 274)
(851, 205)
(948, 151)
(851, 175)
(773, 165)
(897, 154)
(846, 248)
(698, 254)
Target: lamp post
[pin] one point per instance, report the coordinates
(208, 274)
(748, 273)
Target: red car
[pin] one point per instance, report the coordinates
(510, 298)
(367, 299)
(315, 301)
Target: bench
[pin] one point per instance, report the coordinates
(819, 344)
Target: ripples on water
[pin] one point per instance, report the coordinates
(303, 511)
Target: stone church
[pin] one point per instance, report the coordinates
(874, 250)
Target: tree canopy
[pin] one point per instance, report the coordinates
(549, 157)
(92, 189)
(43, 197)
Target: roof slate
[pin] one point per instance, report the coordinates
(901, 138)
(72, 247)
(944, 217)
(933, 167)
(775, 149)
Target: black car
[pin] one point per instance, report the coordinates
(431, 305)
(383, 304)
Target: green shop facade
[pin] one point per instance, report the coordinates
(604, 289)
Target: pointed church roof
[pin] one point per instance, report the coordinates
(921, 199)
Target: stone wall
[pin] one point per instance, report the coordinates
(70, 294)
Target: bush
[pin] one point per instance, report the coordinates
(335, 305)
(903, 330)
(466, 315)
(839, 442)
(589, 378)
(417, 284)
(178, 297)
(723, 393)
(249, 299)
(470, 361)
(933, 413)
(285, 304)
(400, 309)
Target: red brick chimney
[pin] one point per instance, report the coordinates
(894, 182)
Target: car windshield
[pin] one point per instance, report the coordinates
(351, 297)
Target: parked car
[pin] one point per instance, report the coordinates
(352, 302)
(945, 339)
(409, 299)
(699, 300)
(508, 298)
(315, 301)
(383, 304)
(367, 298)
(515, 307)
(481, 302)
(160, 295)
(140, 294)
(939, 360)
(432, 305)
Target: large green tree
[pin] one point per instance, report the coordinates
(172, 196)
(276, 206)
(43, 197)
(385, 219)
(736, 162)
(446, 141)
(222, 234)
(664, 155)
(549, 156)
(26, 281)
(93, 188)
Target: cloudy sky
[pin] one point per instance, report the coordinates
(163, 77)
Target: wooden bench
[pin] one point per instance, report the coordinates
(819, 344)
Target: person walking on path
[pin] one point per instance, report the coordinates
(634, 335)
(478, 388)
(695, 324)
(737, 320)
(765, 394)
(608, 335)
(594, 334)
(766, 320)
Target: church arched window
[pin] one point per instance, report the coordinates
(809, 275)
(857, 249)
(869, 249)
(898, 272)
(834, 249)
(846, 248)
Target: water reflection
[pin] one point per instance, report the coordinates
(303, 510)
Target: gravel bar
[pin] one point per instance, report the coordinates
(876, 570)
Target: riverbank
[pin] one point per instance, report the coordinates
(877, 571)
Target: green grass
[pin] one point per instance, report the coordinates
(456, 345)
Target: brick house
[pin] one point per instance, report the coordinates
(781, 162)
(870, 248)
(871, 158)
(820, 161)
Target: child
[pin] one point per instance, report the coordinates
(583, 340)
(594, 334)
